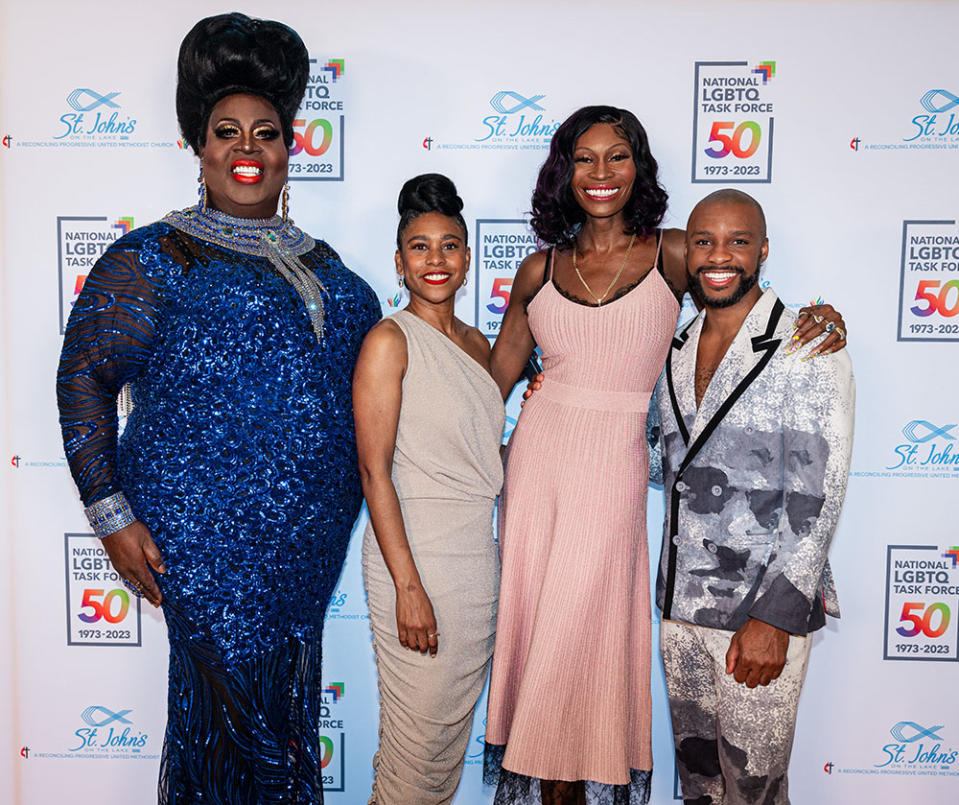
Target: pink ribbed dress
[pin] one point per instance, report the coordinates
(569, 692)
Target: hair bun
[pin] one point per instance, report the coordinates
(430, 192)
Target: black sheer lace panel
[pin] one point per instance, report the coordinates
(518, 789)
(108, 342)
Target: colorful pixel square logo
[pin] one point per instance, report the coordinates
(335, 690)
(336, 68)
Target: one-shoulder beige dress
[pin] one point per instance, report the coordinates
(447, 473)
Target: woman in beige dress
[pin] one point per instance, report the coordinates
(429, 422)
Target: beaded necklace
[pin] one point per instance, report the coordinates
(274, 238)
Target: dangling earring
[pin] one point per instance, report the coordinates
(285, 203)
(201, 191)
(400, 281)
(465, 278)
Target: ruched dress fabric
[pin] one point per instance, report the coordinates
(569, 692)
(240, 457)
(447, 473)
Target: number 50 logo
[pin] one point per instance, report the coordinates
(733, 143)
(306, 140)
(317, 152)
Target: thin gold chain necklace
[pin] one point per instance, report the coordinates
(599, 299)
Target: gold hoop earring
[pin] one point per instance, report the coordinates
(285, 202)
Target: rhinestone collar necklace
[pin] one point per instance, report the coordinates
(278, 240)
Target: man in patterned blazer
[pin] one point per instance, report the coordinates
(756, 444)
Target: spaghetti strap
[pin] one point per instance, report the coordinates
(659, 255)
(548, 270)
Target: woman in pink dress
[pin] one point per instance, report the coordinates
(569, 703)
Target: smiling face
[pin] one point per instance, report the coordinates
(725, 246)
(433, 256)
(245, 160)
(603, 171)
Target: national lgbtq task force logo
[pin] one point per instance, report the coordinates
(501, 245)
(929, 281)
(320, 125)
(922, 595)
(101, 611)
(80, 242)
(512, 121)
(733, 105)
(332, 738)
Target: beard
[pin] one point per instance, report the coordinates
(746, 283)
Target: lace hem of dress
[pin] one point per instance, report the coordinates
(518, 789)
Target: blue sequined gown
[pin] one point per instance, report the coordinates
(240, 458)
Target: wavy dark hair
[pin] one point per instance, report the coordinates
(557, 217)
(429, 192)
(232, 53)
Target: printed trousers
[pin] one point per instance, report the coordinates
(732, 742)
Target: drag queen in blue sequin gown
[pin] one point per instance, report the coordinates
(238, 457)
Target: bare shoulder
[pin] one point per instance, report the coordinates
(532, 269)
(477, 341)
(674, 258)
(674, 247)
(385, 340)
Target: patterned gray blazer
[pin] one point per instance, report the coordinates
(754, 479)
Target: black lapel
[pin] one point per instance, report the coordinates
(678, 342)
(761, 343)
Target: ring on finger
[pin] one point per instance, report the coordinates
(830, 326)
(841, 333)
(817, 318)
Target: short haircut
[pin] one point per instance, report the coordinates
(733, 196)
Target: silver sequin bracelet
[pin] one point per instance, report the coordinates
(109, 515)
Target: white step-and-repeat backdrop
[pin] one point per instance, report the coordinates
(842, 119)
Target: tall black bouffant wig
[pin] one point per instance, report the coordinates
(231, 53)
(428, 192)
